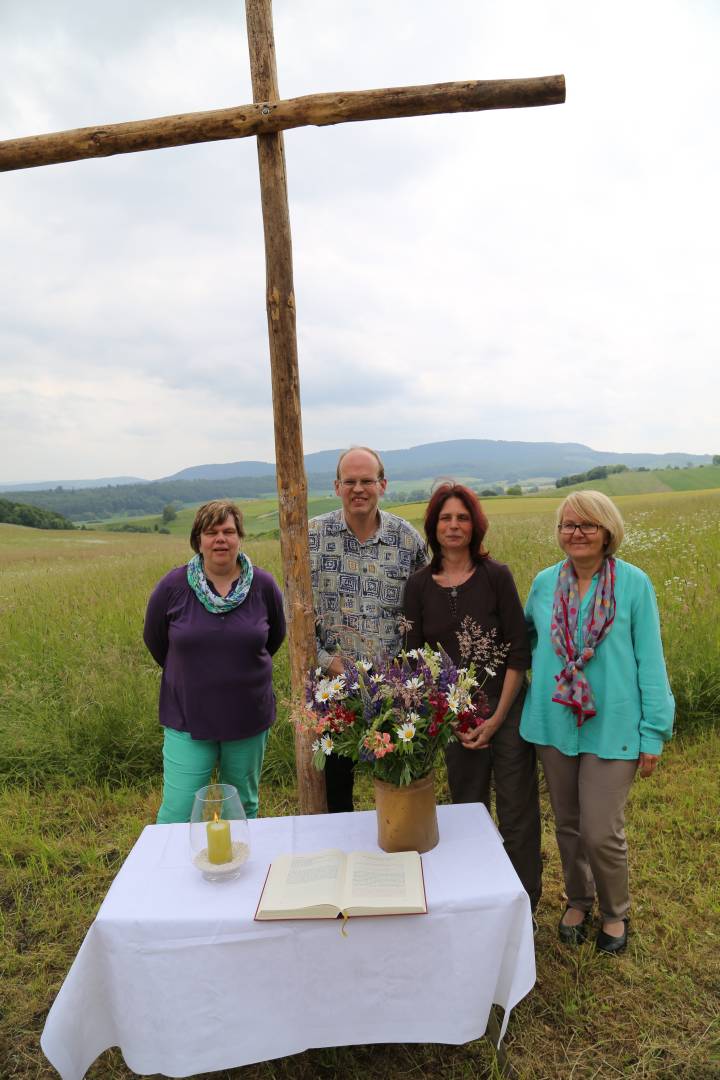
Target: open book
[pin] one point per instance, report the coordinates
(329, 883)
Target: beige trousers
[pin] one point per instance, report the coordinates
(588, 796)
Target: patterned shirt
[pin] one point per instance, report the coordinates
(358, 585)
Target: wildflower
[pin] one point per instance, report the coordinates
(363, 665)
(415, 683)
(379, 742)
(467, 720)
(406, 731)
(322, 694)
(326, 745)
(457, 699)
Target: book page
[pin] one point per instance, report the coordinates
(387, 882)
(299, 882)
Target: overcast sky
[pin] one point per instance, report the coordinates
(538, 274)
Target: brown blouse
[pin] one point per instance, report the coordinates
(489, 597)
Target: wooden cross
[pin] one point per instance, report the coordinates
(267, 118)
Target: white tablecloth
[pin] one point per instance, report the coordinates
(176, 973)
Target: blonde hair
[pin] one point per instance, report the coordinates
(594, 507)
(214, 513)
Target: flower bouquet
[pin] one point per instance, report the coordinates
(393, 718)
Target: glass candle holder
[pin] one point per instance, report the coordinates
(219, 834)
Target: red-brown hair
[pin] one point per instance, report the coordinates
(478, 518)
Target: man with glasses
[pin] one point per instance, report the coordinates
(360, 559)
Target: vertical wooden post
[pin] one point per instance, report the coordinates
(291, 479)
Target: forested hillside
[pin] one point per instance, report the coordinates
(12, 513)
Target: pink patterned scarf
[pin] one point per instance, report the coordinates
(573, 688)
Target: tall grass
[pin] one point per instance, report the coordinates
(78, 691)
(80, 775)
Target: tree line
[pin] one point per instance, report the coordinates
(13, 513)
(600, 472)
(141, 500)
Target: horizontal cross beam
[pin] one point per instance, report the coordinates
(268, 117)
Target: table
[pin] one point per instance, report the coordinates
(176, 973)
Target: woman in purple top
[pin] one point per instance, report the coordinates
(213, 626)
(463, 583)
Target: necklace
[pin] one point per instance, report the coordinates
(452, 589)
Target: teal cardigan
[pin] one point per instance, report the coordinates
(635, 706)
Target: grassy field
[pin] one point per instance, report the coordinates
(259, 516)
(698, 478)
(80, 775)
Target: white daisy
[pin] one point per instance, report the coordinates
(406, 731)
(326, 745)
(322, 694)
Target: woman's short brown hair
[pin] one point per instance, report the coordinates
(214, 513)
(595, 508)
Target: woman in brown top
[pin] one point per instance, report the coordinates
(463, 581)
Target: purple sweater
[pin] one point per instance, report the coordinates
(217, 669)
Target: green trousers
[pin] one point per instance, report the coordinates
(188, 764)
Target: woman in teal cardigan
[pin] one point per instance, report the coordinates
(599, 706)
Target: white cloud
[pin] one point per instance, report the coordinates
(541, 273)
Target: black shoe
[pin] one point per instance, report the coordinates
(574, 935)
(607, 943)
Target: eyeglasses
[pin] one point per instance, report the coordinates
(361, 483)
(567, 528)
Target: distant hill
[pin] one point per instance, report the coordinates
(222, 472)
(48, 485)
(485, 459)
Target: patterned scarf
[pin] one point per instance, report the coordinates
(573, 688)
(218, 605)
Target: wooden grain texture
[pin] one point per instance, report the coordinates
(290, 468)
(268, 115)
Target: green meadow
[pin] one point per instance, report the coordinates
(80, 773)
(636, 482)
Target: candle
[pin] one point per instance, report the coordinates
(219, 842)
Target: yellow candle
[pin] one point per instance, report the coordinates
(219, 842)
